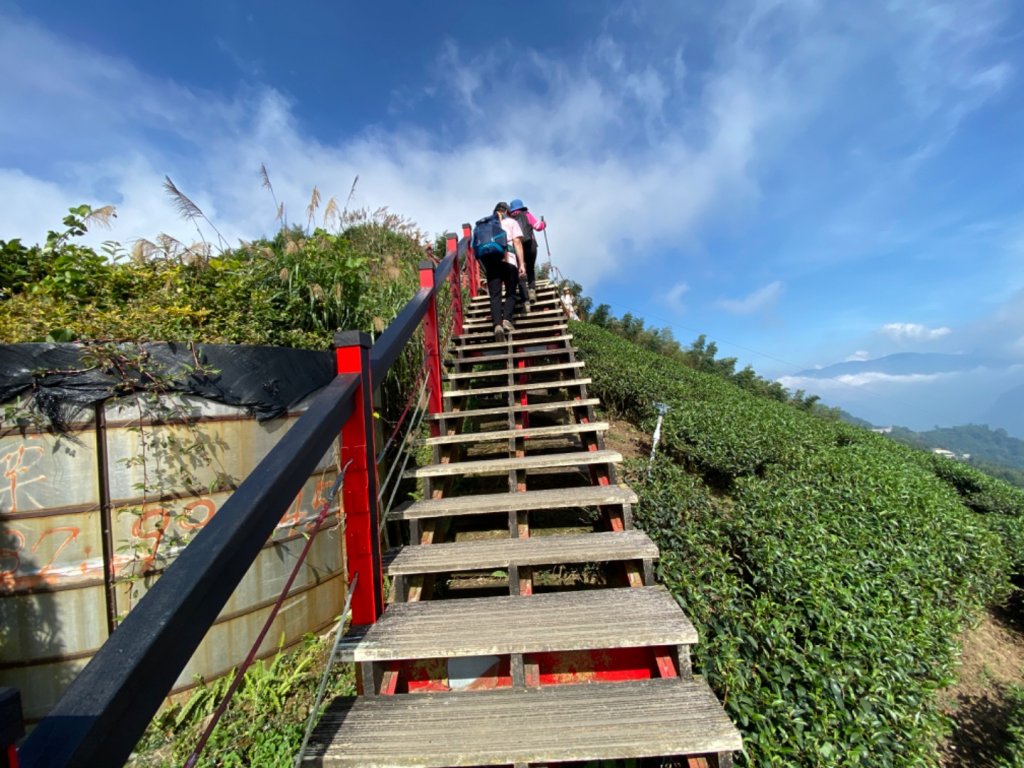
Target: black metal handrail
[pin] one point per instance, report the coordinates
(106, 708)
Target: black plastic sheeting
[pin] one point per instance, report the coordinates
(62, 379)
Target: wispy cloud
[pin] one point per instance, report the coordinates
(674, 297)
(860, 354)
(914, 332)
(759, 301)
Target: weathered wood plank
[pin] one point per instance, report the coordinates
(529, 386)
(500, 466)
(505, 434)
(536, 317)
(482, 554)
(531, 408)
(614, 721)
(499, 355)
(560, 498)
(556, 621)
(495, 372)
(520, 329)
(519, 343)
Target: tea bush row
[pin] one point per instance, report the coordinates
(827, 569)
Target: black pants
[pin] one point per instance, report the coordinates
(500, 274)
(529, 280)
(530, 257)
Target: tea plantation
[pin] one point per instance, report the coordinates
(828, 570)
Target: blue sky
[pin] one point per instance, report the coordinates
(804, 182)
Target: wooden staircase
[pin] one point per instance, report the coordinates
(524, 627)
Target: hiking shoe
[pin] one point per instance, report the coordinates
(499, 332)
(533, 294)
(507, 325)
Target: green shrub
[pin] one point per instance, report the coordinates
(827, 569)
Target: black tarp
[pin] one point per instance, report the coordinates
(62, 379)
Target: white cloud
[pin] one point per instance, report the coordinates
(674, 297)
(914, 332)
(671, 176)
(860, 354)
(760, 300)
(867, 380)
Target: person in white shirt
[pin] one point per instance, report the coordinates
(568, 305)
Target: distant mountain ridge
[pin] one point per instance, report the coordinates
(1007, 411)
(900, 364)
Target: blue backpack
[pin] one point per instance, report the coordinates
(489, 237)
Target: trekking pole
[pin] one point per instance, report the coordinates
(546, 246)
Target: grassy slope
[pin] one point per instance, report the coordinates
(827, 569)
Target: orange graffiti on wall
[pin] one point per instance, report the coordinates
(19, 468)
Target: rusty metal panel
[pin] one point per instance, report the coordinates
(45, 471)
(51, 552)
(54, 580)
(51, 625)
(42, 685)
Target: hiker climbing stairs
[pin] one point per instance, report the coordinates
(524, 625)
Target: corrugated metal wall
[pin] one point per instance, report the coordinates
(89, 520)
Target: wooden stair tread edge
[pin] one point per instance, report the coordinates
(530, 408)
(629, 617)
(598, 721)
(485, 466)
(494, 372)
(560, 498)
(517, 331)
(497, 356)
(527, 432)
(518, 342)
(529, 386)
(534, 551)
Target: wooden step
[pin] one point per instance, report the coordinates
(531, 408)
(500, 466)
(528, 387)
(483, 504)
(555, 621)
(519, 343)
(466, 339)
(489, 554)
(565, 723)
(478, 306)
(533, 318)
(492, 372)
(498, 355)
(507, 434)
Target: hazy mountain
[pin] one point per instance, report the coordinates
(1007, 411)
(901, 364)
(922, 390)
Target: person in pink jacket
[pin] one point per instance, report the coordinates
(528, 223)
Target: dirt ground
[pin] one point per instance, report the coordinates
(625, 438)
(992, 661)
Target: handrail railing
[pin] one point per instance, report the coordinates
(108, 705)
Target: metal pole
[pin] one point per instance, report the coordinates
(546, 246)
(663, 408)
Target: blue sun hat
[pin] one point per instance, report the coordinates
(516, 204)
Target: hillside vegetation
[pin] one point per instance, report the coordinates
(827, 569)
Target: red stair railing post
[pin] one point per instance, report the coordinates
(431, 347)
(360, 489)
(12, 726)
(471, 262)
(452, 246)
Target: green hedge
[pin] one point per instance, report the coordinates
(828, 570)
